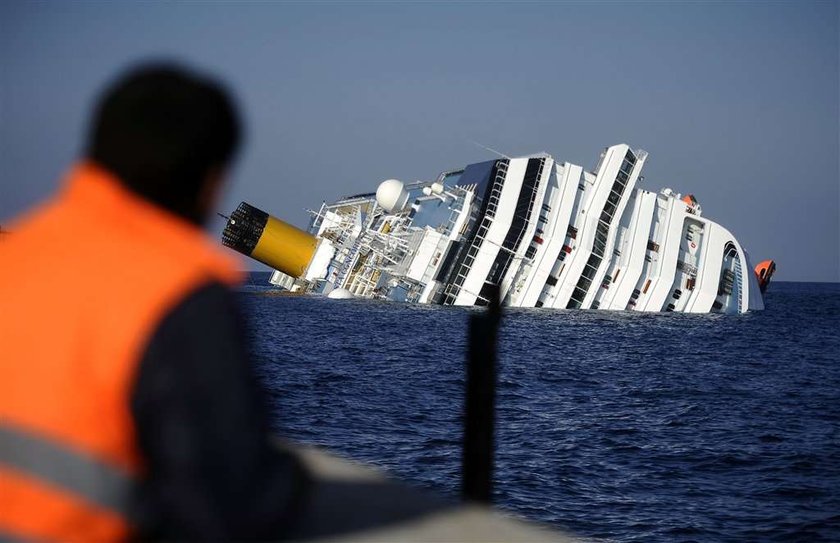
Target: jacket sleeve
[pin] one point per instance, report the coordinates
(202, 429)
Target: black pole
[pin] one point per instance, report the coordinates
(480, 404)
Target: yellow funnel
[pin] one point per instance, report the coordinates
(273, 242)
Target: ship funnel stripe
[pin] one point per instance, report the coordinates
(244, 228)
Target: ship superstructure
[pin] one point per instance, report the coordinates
(548, 233)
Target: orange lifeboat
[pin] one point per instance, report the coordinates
(763, 272)
(690, 199)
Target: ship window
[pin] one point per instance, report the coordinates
(677, 294)
(538, 304)
(670, 307)
(551, 281)
(530, 252)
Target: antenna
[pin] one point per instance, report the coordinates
(489, 149)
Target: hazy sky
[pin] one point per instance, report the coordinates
(736, 103)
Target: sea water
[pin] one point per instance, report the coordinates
(616, 425)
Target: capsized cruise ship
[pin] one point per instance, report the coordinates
(550, 234)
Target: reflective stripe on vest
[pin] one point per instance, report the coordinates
(10, 538)
(69, 469)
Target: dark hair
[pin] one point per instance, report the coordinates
(161, 129)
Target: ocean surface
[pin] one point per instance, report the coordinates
(614, 425)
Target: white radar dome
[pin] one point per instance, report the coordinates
(391, 195)
(340, 294)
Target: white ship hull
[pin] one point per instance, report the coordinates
(550, 234)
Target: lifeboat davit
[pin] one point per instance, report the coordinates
(763, 272)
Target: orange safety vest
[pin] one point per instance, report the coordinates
(84, 282)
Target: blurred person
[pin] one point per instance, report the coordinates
(128, 408)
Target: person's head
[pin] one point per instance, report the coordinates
(169, 134)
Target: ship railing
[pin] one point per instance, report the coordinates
(453, 218)
(453, 289)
